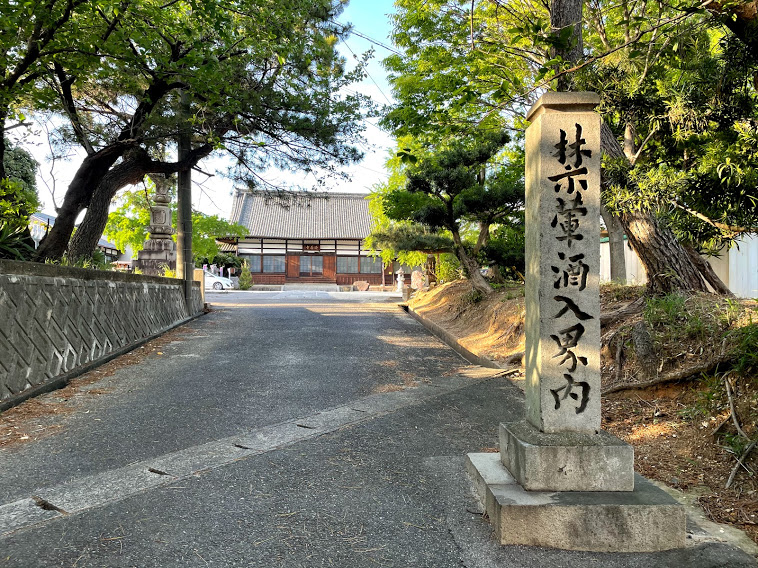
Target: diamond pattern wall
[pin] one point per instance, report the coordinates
(51, 325)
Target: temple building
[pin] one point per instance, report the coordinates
(308, 238)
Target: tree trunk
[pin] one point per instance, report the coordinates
(85, 240)
(95, 167)
(615, 245)
(563, 14)
(78, 196)
(666, 261)
(707, 272)
(740, 18)
(484, 237)
(470, 266)
(135, 166)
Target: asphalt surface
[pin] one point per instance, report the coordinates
(266, 433)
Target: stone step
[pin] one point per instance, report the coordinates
(314, 286)
(644, 520)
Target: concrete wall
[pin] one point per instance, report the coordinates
(737, 267)
(56, 322)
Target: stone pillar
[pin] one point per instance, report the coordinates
(559, 480)
(160, 248)
(560, 447)
(562, 328)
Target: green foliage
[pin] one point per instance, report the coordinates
(16, 202)
(97, 261)
(205, 230)
(681, 92)
(226, 260)
(21, 169)
(717, 324)
(263, 82)
(246, 278)
(473, 297)
(679, 316)
(398, 240)
(450, 76)
(14, 243)
(710, 398)
(745, 350)
(167, 271)
(445, 193)
(665, 310)
(506, 250)
(127, 224)
(687, 110)
(735, 443)
(448, 269)
(411, 237)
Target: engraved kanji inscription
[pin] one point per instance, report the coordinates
(574, 273)
(567, 218)
(570, 176)
(567, 339)
(568, 392)
(574, 150)
(571, 305)
(571, 156)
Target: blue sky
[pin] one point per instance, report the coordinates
(214, 195)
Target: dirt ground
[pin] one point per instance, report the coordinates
(683, 429)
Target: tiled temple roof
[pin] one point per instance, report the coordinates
(302, 215)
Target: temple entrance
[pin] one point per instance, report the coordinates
(311, 265)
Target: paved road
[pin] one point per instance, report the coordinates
(282, 429)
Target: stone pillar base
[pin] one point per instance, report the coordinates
(568, 461)
(156, 256)
(644, 520)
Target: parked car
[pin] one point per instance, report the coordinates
(217, 282)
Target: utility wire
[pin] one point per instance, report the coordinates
(375, 42)
(369, 75)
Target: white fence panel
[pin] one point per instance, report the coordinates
(743, 267)
(737, 267)
(635, 272)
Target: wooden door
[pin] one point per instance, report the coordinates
(330, 267)
(293, 266)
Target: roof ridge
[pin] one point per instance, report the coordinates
(296, 193)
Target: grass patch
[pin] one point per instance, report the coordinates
(679, 317)
(617, 292)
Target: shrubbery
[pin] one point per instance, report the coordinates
(246, 278)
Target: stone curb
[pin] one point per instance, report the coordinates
(62, 380)
(451, 341)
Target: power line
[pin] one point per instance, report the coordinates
(375, 42)
(367, 38)
(369, 76)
